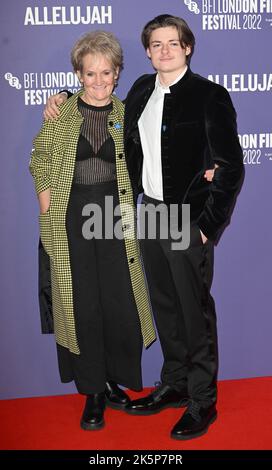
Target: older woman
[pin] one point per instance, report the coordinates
(100, 303)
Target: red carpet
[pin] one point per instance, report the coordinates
(244, 422)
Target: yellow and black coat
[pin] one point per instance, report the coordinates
(52, 166)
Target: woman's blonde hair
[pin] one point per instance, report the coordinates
(97, 42)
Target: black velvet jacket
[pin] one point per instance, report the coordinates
(198, 130)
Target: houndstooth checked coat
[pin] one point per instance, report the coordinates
(52, 166)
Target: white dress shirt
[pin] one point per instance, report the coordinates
(149, 125)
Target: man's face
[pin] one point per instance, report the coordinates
(166, 54)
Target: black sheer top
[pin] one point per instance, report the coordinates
(95, 156)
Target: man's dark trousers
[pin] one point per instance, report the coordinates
(179, 283)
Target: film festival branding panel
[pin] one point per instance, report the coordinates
(244, 82)
(257, 147)
(38, 86)
(68, 15)
(232, 14)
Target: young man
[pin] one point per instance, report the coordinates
(177, 125)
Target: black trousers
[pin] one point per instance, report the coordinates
(184, 311)
(106, 318)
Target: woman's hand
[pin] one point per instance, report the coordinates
(209, 174)
(51, 110)
(204, 238)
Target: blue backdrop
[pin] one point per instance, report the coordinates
(233, 48)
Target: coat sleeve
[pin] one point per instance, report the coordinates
(40, 161)
(225, 150)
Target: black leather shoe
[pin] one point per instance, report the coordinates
(93, 414)
(162, 397)
(195, 422)
(116, 397)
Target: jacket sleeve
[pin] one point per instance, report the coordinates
(225, 150)
(40, 161)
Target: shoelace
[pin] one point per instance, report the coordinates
(193, 410)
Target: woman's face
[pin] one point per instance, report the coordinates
(98, 78)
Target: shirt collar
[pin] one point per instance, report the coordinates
(167, 89)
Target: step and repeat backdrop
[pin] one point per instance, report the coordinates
(233, 48)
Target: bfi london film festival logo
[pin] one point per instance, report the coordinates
(192, 6)
(257, 147)
(232, 14)
(13, 81)
(38, 86)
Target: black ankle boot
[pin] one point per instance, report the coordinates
(116, 397)
(93, 414)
